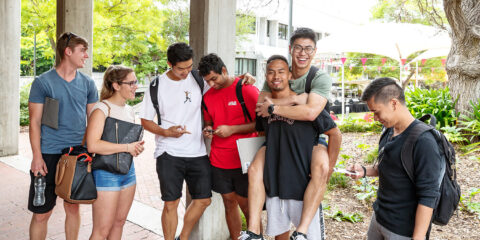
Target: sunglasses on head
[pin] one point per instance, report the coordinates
(70, 35)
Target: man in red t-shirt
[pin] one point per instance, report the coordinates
(225, 122)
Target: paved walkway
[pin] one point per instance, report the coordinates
(143, 222)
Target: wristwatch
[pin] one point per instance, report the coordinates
(271, 108)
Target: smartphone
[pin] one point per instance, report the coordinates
(209, 131)
(345, 171)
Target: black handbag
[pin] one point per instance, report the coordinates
(120, 132)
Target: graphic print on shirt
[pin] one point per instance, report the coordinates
(273, 118)
(188, 96)
(232, 103)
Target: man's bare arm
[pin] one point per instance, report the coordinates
(306, 112)
(422, 221)
(35, 113)
(228, 130)
(173, 131)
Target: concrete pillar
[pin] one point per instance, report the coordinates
(77, 16)
(212, 30)
(10, 11)
(262, 30)
(273, 32)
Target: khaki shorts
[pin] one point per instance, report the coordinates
(283, 212)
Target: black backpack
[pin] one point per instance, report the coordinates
(199, 80)
(450, 192)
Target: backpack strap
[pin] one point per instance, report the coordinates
(238, 91)
(407, 149)
(154, 97)
(433, 119)
(311, 74)
(308, 83)
(199, 79)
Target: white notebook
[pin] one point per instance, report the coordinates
(247, 148)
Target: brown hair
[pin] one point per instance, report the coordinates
(114, 74)
(71, 40)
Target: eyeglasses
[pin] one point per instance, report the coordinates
(131, 83)
(69, 36)
(307, 49)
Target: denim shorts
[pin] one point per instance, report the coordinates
(107, 181)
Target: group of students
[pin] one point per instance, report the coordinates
(289, 173)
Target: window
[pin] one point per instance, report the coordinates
(243, 65)
(282, 31)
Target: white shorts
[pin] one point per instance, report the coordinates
(282, 212)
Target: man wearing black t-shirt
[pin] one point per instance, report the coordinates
(403, 209)
(288, 158)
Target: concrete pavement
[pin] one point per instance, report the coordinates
(144, 219)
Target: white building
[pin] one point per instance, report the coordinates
(271, 28)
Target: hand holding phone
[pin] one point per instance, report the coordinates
(345, 171)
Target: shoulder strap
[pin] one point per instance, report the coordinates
(154, 97)
(238, 91)
(407, 149)
(433, 119)
(108, 106)
(199, 79)
(311, 74)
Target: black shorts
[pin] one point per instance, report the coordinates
(51, 161)
(229, 180)
(196, 171)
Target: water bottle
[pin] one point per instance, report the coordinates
(39, 185)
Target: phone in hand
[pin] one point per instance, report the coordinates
(209, 131)
(345, 171)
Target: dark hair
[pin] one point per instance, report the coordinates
(71, 40)
(383, 89)
(210, 62)
(179, 52)
(303, 33)
(277, 57)
(114, 74)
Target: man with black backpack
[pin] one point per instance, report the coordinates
(405, 204)
(229, 115)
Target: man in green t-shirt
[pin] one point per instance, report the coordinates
(302, 48)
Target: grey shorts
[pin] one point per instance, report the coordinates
(379, 232)
(281, 213)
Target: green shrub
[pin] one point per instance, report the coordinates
(437, 102)
(470, 125)
(136, 100)
(453, 134)
(371, 156)
(338, 180)
(468, 205)
(24, 115)
(359, 125)
(346, 217)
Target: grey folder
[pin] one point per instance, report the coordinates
(50, 113)
(247, 148)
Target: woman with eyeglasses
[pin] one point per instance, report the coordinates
(115, 191)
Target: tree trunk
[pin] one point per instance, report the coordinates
(463, 62)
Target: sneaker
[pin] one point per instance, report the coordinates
(247, 235)
(298, 236)
(177, 238)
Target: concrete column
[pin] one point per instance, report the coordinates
(10, 11)
(212, 30)
(262, 30)
(273, 33)
(77, 16)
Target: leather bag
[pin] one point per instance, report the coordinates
(74, 180)
(120, 132)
